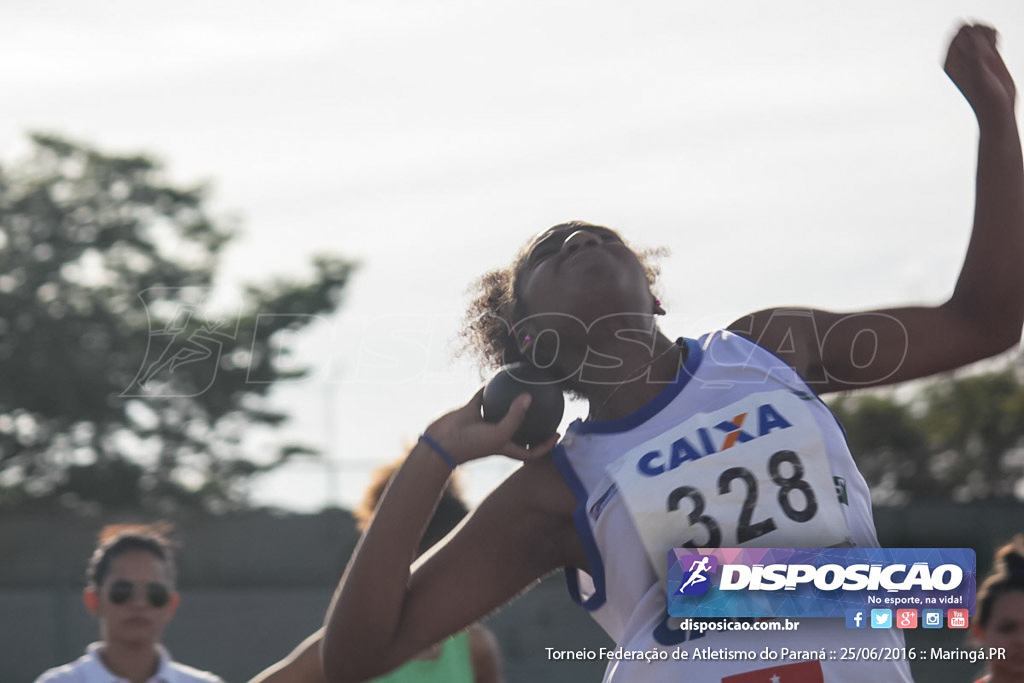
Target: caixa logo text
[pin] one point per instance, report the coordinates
(707, 441)
(829, 577)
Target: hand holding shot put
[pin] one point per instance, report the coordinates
(519, 396)
(465, 434)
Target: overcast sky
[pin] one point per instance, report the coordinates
(787, 152)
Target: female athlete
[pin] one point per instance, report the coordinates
(668, 422)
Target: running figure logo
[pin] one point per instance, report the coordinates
(698, 567)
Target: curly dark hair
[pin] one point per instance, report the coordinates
(496, 308)
(1007, 575)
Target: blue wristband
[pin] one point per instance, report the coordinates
(436, 447)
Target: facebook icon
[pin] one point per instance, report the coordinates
(855, 619)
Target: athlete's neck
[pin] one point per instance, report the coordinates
(624, 390)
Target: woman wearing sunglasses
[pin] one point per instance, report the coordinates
(130, 590)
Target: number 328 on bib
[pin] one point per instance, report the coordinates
(754, 473)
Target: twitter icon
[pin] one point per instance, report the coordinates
(881, 618)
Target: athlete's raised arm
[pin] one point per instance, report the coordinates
(985, 313)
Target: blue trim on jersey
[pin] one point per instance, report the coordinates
(694, 355)
(585, 533)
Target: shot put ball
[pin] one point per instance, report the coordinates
(545, 411)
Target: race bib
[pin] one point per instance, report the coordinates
(754, 473)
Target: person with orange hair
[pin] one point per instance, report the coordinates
(472, 656)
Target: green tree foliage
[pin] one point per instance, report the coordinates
(121, 384)
(958, 439)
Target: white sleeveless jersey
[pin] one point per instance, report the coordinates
(652, 480)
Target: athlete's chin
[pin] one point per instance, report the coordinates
(600, 315)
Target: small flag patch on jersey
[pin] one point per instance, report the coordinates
(841, 490)
(801, 672)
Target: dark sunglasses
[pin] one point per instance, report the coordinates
(121, 591)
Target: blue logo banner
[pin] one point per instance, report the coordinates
(818, 582)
